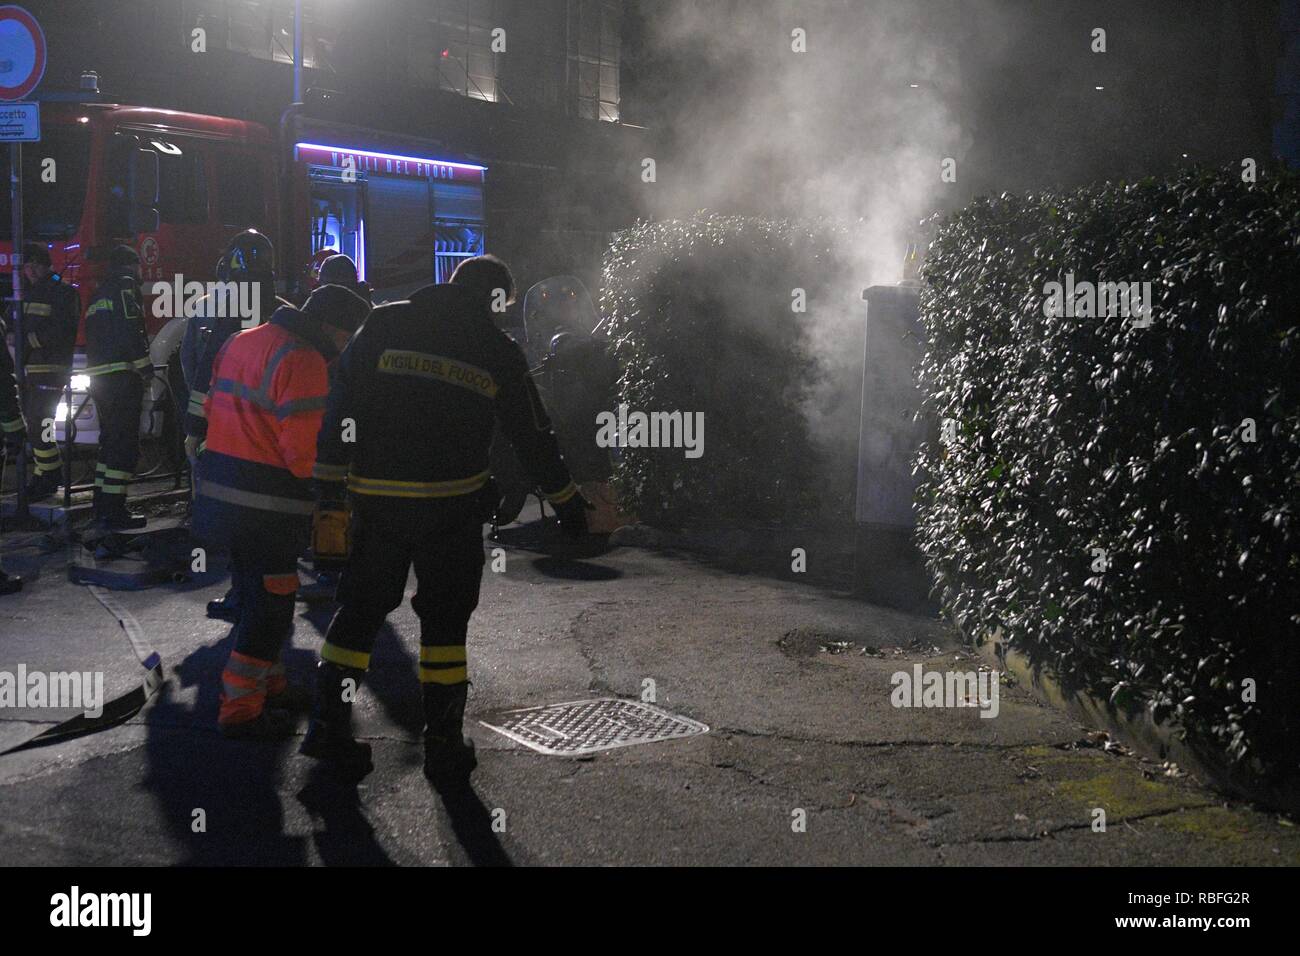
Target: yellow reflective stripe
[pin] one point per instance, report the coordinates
(33, 340)
(50, 468)
(197, 396)
(51, 452)
(36, 308)
(109, 367)
(13, 425)
(444, 675)
(100, 305)
(442, 654)
(197, 410)
(114, 473)
(329, 472)
(344, 657)
(563, 495)
(417, 489)
(143, 362)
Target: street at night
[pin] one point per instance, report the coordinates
(650, 436)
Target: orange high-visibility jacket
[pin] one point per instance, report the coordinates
(264, 409)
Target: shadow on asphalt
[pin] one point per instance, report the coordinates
(471, 823)
(569, 570)
(218, 798)
(347, 839)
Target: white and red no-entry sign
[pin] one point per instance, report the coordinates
(22, 52)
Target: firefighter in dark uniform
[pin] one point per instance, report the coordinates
(118, 363)
(249, 258)
(411, 413)
(51, 314)
(13, 432)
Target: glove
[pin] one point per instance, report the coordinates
(573, 516)
(192, 443)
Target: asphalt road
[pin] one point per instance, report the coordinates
(793, 681)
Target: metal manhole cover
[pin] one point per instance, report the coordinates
(586, 726)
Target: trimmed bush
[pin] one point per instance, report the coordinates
(701, 320)
(1101, 499)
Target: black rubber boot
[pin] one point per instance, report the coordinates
(114, 516)
(329, 735)
(447, 754)
(227, 608)
(43, 486)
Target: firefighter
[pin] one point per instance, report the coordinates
(254, 494)
(51, 314)
(410, 417)
(118, 363)
(339, 269)
(249, 258)
(13, 433)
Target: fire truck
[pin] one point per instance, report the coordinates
(177, 186)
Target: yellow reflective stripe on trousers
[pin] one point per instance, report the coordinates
(36, 308)
(61, 369)
(442, 654)
(111, 481)
(359, 660)
(13, 425)
(389, 488)
(563, 495)
(109, 367)
(325, 472)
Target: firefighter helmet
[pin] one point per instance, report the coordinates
(251, 256)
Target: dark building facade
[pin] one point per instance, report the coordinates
(528, 88)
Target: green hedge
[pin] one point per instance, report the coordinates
(701, 318)
(1072, 434)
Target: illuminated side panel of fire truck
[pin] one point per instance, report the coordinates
(403, 210)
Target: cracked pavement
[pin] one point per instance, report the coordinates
(793, 681)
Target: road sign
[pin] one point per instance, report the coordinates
(22, 52)
(20, 123)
